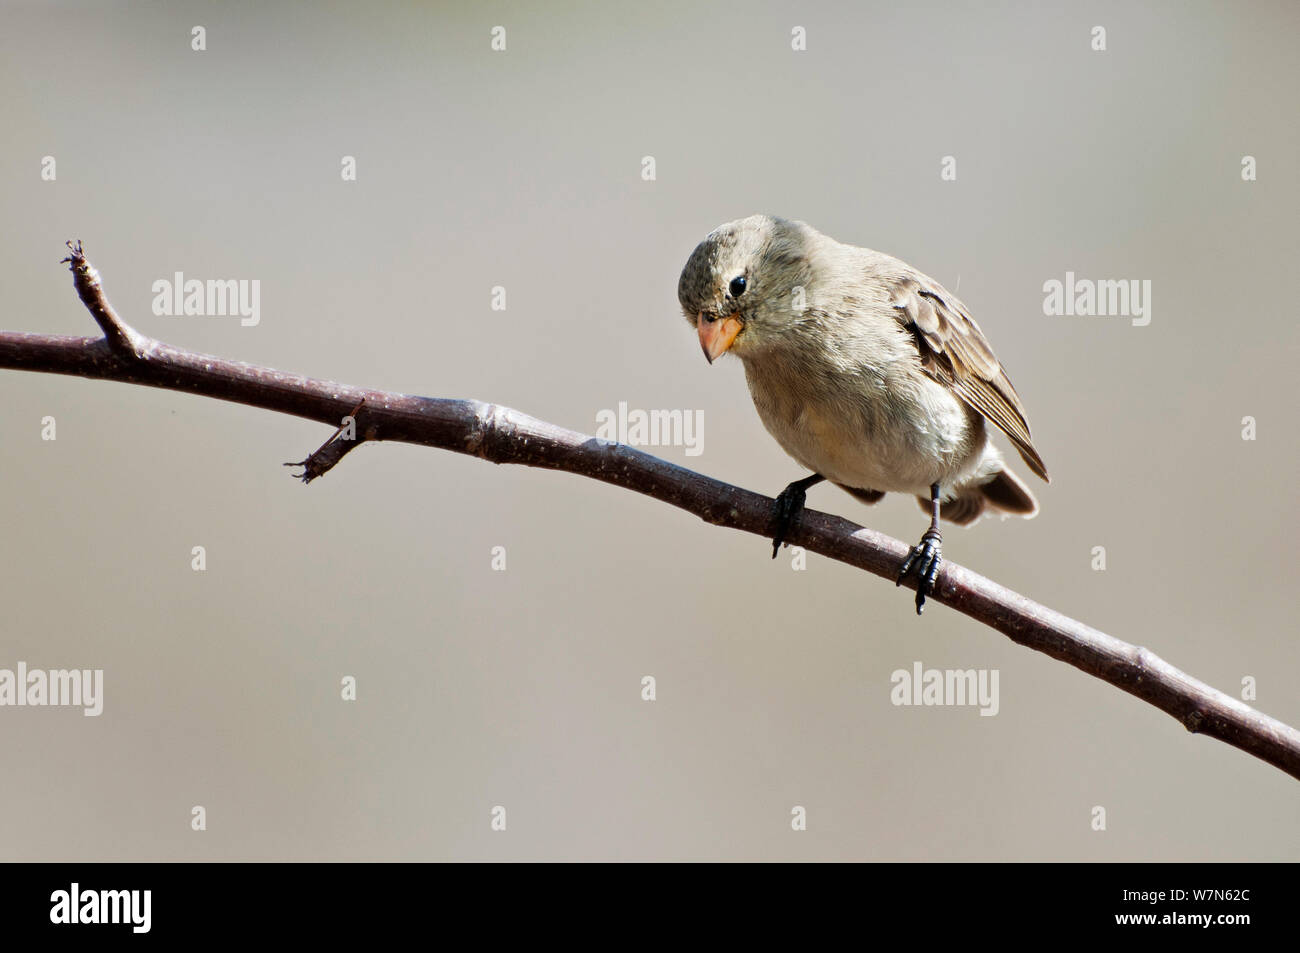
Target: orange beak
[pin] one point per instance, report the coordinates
(716, 336)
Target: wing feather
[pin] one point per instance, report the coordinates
(955, 352)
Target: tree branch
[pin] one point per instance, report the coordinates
(502, 435)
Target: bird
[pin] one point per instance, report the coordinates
(868, 373)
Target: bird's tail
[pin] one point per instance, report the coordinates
(1004, 492)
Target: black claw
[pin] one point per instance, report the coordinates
(925, 557)
(787, 509)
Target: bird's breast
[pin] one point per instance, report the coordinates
(873, 431)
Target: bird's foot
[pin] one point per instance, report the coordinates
(924, 559)
(789, 504)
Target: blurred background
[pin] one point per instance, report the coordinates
(522, 169)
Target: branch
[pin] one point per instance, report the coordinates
(502, 435)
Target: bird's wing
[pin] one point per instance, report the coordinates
(954, 352)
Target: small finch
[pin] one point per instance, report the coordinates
(867, 372)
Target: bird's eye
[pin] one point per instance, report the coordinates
(737, 286)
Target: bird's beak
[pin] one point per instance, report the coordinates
(716, 335)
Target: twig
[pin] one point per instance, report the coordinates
(502, 435)
(321, 460)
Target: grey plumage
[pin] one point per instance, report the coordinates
(865, 370)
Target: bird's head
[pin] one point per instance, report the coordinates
(746, 284)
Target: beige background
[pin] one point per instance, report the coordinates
(521, 688)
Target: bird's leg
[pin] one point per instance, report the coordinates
(788, 506)
(926, 555)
